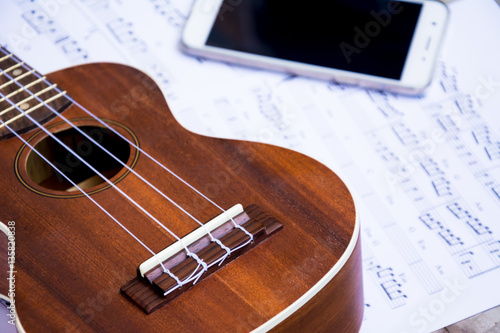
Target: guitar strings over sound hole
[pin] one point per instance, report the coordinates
(44, 175)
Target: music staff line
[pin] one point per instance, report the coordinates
(124, 34)
(454, 242)
(385, 279)
(383, 217)
(172, 14)
(460, 120)
(441, 185)
(43, 24)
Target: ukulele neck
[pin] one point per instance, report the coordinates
(24, 91)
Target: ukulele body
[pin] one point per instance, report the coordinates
(71, 258)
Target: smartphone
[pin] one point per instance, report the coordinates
(380, 44)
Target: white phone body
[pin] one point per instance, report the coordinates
(416, 73)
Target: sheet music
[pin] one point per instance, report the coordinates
(425, 171)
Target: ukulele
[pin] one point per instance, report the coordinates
(117, 219)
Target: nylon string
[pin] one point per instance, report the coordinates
(189, 253)
(204, 266)
(143, 152)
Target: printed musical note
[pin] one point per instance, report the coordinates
(430, 222)
(171, 13)
(405, 135)
(389, 284)
(268, 105)
(458, 211)
(453, 241)
(372, 265)
(467, 156)
(124, 34)
(482, 135)
(481, 231)
(486, 179)
(414, 193)
(382, 100)
(478, 227)
(392, 289)
(450, 238)
(465, 104)
(442, 218)
(385, 153)
(431, 167)
(448, 124)
(493, 151)
(73, 50)
(442, 187)
(163, 75)
(448, 81)
(468, 263)
(494, 250)
(388, 155)
(488, 141)
(439, 182)
(386, 279)
(382, 273)
(43, 24)
(496, 191)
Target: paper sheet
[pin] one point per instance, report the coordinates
(425, 171)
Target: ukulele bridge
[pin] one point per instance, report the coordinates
(156, 284)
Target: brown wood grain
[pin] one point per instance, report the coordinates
(13, 88)
(148, 291)
(72, 259)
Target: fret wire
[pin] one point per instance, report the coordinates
(6, 57)
(61, 93)
(113, 185)
(142, 151)
(99, 173)
(195, 275)
(33, 108)
(27, 99)
(22, 76)
(12, 68)
(200, 262)
(179, 283)
(23, 88)
(148, 183)
(89, 165)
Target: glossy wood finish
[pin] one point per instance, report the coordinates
(148, 292)
(72, 259)
(322, 312)
(10, 81)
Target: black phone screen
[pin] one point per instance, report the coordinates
(370, 37)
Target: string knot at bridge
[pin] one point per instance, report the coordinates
(229, 236)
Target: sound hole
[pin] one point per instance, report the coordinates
(44, 175)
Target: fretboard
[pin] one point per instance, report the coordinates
(23, 88)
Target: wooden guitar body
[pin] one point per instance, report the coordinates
(71, 259)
